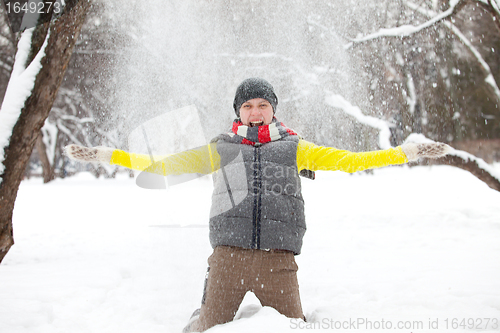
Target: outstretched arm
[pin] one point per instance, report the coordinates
(204, 159)
(313, 157)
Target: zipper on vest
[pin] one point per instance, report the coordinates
(228, 187)
(257, 191)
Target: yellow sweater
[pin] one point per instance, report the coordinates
(206, 160)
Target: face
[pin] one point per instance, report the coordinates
(256, 112)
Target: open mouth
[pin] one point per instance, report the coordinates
(256, 123)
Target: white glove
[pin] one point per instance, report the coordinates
(84, 154)
(414, 151)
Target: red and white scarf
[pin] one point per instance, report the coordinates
(258, 135)
(276, 130)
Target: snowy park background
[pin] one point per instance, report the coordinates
(412, 245)
(404, 244)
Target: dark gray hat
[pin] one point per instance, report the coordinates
(254, 88)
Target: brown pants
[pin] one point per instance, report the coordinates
(270, 275)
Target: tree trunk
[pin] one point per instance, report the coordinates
(47, 169)
(63, 34)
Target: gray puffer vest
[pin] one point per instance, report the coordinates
(257, 200)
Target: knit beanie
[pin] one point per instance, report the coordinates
(254, 88)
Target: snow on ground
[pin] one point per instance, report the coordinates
(417, 247)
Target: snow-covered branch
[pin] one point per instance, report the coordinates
(408, 30)
(21, 83)
(489, 75)
(458, 158)
(75, 119)
(340, 102)
(464, 160)
(479, 161)
(489, 78)
(495, 5)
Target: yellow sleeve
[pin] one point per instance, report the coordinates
(204, 160)
(313, 157)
